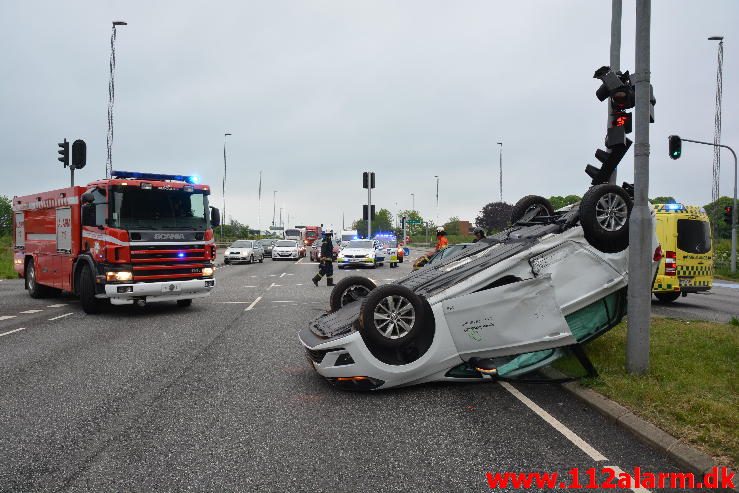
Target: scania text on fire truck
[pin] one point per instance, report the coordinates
(132, 238)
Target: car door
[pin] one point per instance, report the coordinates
(511, 319)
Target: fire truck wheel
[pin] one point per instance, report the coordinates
(35, 290)
(90, 304)
(184, 303)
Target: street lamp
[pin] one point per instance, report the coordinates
(437, 199)
(413, 198)
(111, 100)
(715, 194)
(500, 165)
(223, 188)
(274, 205)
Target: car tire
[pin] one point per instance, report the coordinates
(349, 290)
(226, 262)
(381, 304)
(251, 260)
(90, 304)
(184, 303)
(604, 215)
(261, 259)
(35, 290)
(667, 297)
(529, 207)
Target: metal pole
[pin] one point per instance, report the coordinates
(500, 165)
(733, 212)
(413, 196)
(259, 212)
(111, 100)
(615, 58)
(71, 169)
(224, 183)
(437, 198)
(369, 205)
(274, 205)
(640, 225)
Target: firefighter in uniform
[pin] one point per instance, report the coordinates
(326, 259)
(441, 239)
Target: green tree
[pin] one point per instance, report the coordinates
(6, 215)
(559, 201)
(662, 200)
(383, 221)
(416, 231)
(715, 211)
(494, 216)
(453, 226)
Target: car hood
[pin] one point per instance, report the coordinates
(238, 250)
(357, 251)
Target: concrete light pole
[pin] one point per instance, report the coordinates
(500, 165)
(111, 100)
(225, 218)
(274, 205)
(437, 199)
(640, 224)
(615, 59)
(413, 198)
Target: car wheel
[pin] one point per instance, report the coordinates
(261, 259)
(251, 259)
(529, 207)
(391, 316)
(604, 216)
(226, 262)
(90, 304)
(349, 290)
(667, 297)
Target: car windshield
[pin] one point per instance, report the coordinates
(292, 232)
(137, 208)
(311, 234)
(241, 244)
(361, 244)
(286, 243)
(347, 237)
(265, 242)
(693, 236)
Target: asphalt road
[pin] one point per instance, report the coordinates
(220, 397)
(719, 304)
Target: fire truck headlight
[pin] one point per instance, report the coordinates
(207, 271)
(121, 276)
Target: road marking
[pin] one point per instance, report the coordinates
(284, 302)
(300, 284)
(253, 276)
(58, 305)
(273, 275)
(250, 286)
(273, 285)
(248, 308)
(282, 275)
(619, 472)
(234, 302)
(12, 331)
(6, 317)
(32, 311)
(569, 434)
(61, 316)
(300, 261)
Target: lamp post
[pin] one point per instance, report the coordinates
(223, 185)
(413, 198)
(500, 165)
(274, 205)
(717, 119)
(437, 199)
(111, 100)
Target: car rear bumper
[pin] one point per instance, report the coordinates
(151, 292)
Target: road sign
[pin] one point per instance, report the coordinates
(414, 221)
(276, 228)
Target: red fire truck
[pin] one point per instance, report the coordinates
(133, 238)
(312, 233)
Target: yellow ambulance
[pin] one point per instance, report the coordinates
(687, 267)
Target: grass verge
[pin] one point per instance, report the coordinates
(6, 259)
(691, 390)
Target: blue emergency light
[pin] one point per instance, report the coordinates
(137, 175)
(674, 207)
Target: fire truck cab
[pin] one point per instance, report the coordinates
(132, 238)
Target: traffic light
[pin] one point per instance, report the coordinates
(621, 95)
(63, 153)
(609, 160)
(402, 222)
(364, 212)
(729, 214)
(676, 146)
(79, 154)
(368, 179)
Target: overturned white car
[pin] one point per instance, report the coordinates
(509, 304)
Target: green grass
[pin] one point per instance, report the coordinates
(691, 390)
(6, 259)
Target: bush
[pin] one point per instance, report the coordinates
(6, 259)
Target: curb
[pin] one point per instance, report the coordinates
(685, 455)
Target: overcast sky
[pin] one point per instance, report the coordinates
(315, 92)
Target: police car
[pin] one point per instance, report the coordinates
(501, 308)
(361, 253)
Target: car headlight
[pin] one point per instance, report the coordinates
(121, 276)
(207, 271)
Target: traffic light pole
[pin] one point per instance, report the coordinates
(640, 225)
(615, 59)
(369, 210)
(733, 212)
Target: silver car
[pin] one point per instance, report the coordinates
(244, 251)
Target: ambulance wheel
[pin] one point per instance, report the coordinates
(35, 290)
(184, 303)
(350, 289)
(667, 297)
(90, 304)
(529, 207)
(604, 216)
(391, 316)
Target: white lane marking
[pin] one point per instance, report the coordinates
(253, 276)
(31, 311)
(61, 316)
(726, 285)
(619, 472)
(299, 284)
(250, 286)
(58, 305)
(300, 261)
(248, 308)
(6, 317)
(284, 302)
(273, 285)
(569, 434)
(273, 275)
(12, 331)
(290, 274)
(282, 275)
(234, 302)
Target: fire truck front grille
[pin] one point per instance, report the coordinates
(154, 263)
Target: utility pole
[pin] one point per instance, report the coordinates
(259, 212)
(224, 183)
(615, 59)
(111, 99)
(500, 164)
(413, 198)
(437, 199)
(368, 182)
(717, 120)
(640, 225)
(274, 205)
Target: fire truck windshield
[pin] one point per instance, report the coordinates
(136, 208)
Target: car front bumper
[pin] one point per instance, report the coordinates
(150, 292)
(359, 262)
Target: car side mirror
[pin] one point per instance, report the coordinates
(215, 217)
